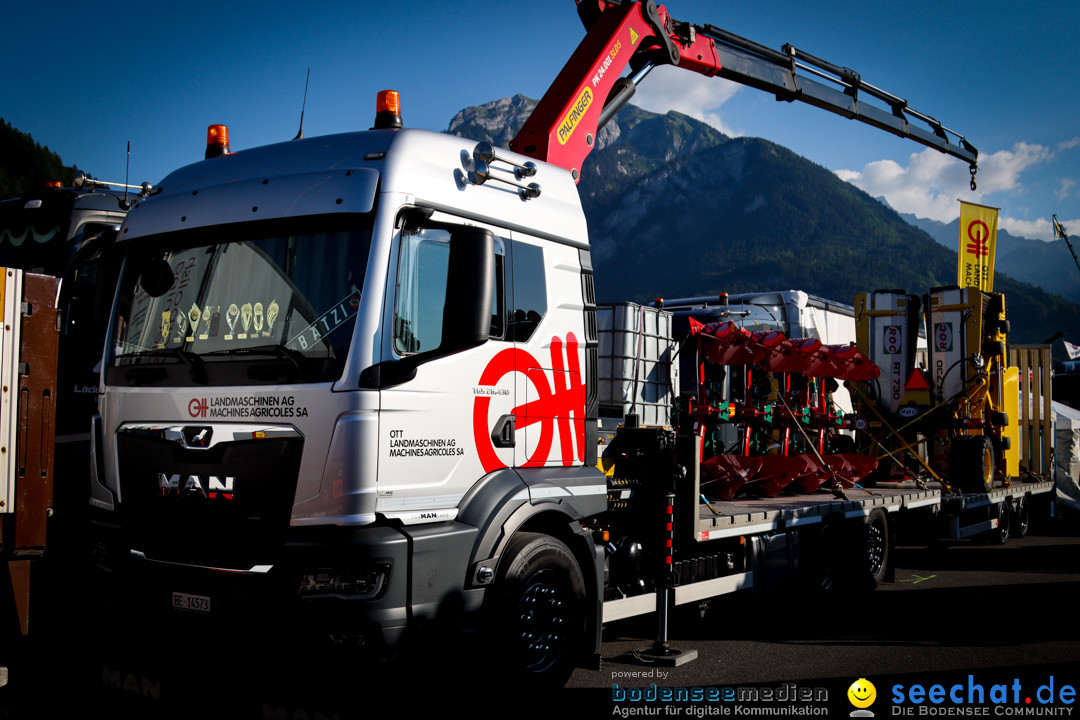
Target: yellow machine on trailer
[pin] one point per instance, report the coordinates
(958, 405)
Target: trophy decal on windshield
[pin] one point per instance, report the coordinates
(258, 320)
(194, 314)
(245, 319)
(271, 316)
(181, 327)
(230, 317)
(166, 324)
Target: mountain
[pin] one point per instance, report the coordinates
(1048, 265)
(676, 209)
(25, 164)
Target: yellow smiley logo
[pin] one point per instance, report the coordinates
(862, 693)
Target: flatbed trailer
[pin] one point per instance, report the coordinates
(999, 512)
(759, 524)
(823, 540)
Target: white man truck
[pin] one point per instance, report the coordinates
(354, 378)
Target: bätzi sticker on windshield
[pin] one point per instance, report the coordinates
(327, 323)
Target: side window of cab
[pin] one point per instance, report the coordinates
(529, 291)
(420, 299)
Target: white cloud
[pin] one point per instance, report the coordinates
(1000, 171)
(670, 88)
(1039, 228)
(1068, 144)
(1066, 188)
(932, 182)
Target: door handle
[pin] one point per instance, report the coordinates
(502, 435)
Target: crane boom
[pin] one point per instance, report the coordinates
(640, 35)
(1059, 230)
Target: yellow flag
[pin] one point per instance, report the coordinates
(978, 240)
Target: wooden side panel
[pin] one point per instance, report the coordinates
(29, 341)
(1036, 422)
(36, 412)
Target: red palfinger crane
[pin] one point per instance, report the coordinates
(640, 35)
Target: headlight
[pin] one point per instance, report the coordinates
(360, 583)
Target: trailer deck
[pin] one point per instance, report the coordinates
(750, 516)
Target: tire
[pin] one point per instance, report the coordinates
(539, 610)
(875, 551)
(971, 463)
(1000, 535)
(1020, 523)
(860, 561)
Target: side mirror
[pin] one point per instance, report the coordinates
(470, 285)
(157, 277)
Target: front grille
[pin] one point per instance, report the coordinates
(195, 520)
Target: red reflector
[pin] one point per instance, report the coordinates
(667, 560)
(667, 543)
(669, 527)
(670, 510)
(917, 381)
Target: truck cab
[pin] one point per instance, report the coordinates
(354, 368)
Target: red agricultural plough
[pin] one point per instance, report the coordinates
(764, 412)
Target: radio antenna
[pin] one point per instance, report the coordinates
(300, 133)
(127, 172)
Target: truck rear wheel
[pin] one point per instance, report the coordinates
(539, 614)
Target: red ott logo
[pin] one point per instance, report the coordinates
(197, 407)
(564, 403)
(978, 245)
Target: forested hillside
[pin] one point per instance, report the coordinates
(25, 164)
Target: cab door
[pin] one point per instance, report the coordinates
(447, 417)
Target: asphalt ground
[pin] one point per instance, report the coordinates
(986, 623)
(954, 609)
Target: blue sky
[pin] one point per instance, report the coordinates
(86, 78)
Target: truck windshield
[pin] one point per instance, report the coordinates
(241, 304)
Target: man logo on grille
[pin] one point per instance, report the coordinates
(561, 402)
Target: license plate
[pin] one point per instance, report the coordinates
(194, 603)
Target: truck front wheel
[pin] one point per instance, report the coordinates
(539, 614)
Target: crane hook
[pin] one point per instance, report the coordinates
(974, 169)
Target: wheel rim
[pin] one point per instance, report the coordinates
(1003, 522)
(544, 612)
(1023, 514)
(875, 546)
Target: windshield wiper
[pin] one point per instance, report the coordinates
(277, 351)
(192, 360)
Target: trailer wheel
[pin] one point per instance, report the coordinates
(1021, 520)
(1001, 535)
(538, 617)
(876, 556)
(971, 462)
(861, 557)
